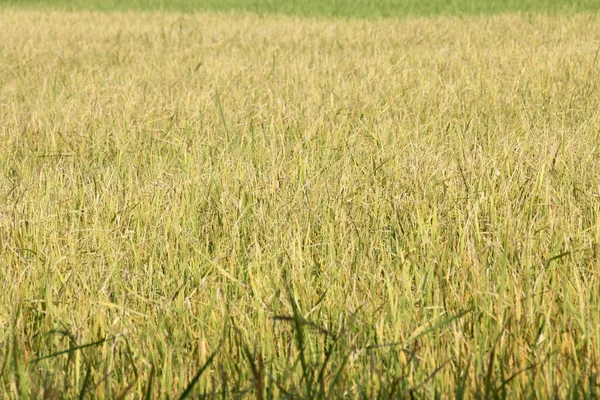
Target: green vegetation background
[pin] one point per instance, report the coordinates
(328, 8)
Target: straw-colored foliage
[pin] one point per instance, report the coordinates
(413, 204)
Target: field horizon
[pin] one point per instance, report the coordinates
(210, 205)
(324, 9)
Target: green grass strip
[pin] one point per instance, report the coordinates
(328, 8)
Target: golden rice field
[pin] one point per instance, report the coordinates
(227, 205)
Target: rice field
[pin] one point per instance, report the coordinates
(211, 205)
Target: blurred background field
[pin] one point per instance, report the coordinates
(329, 8)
